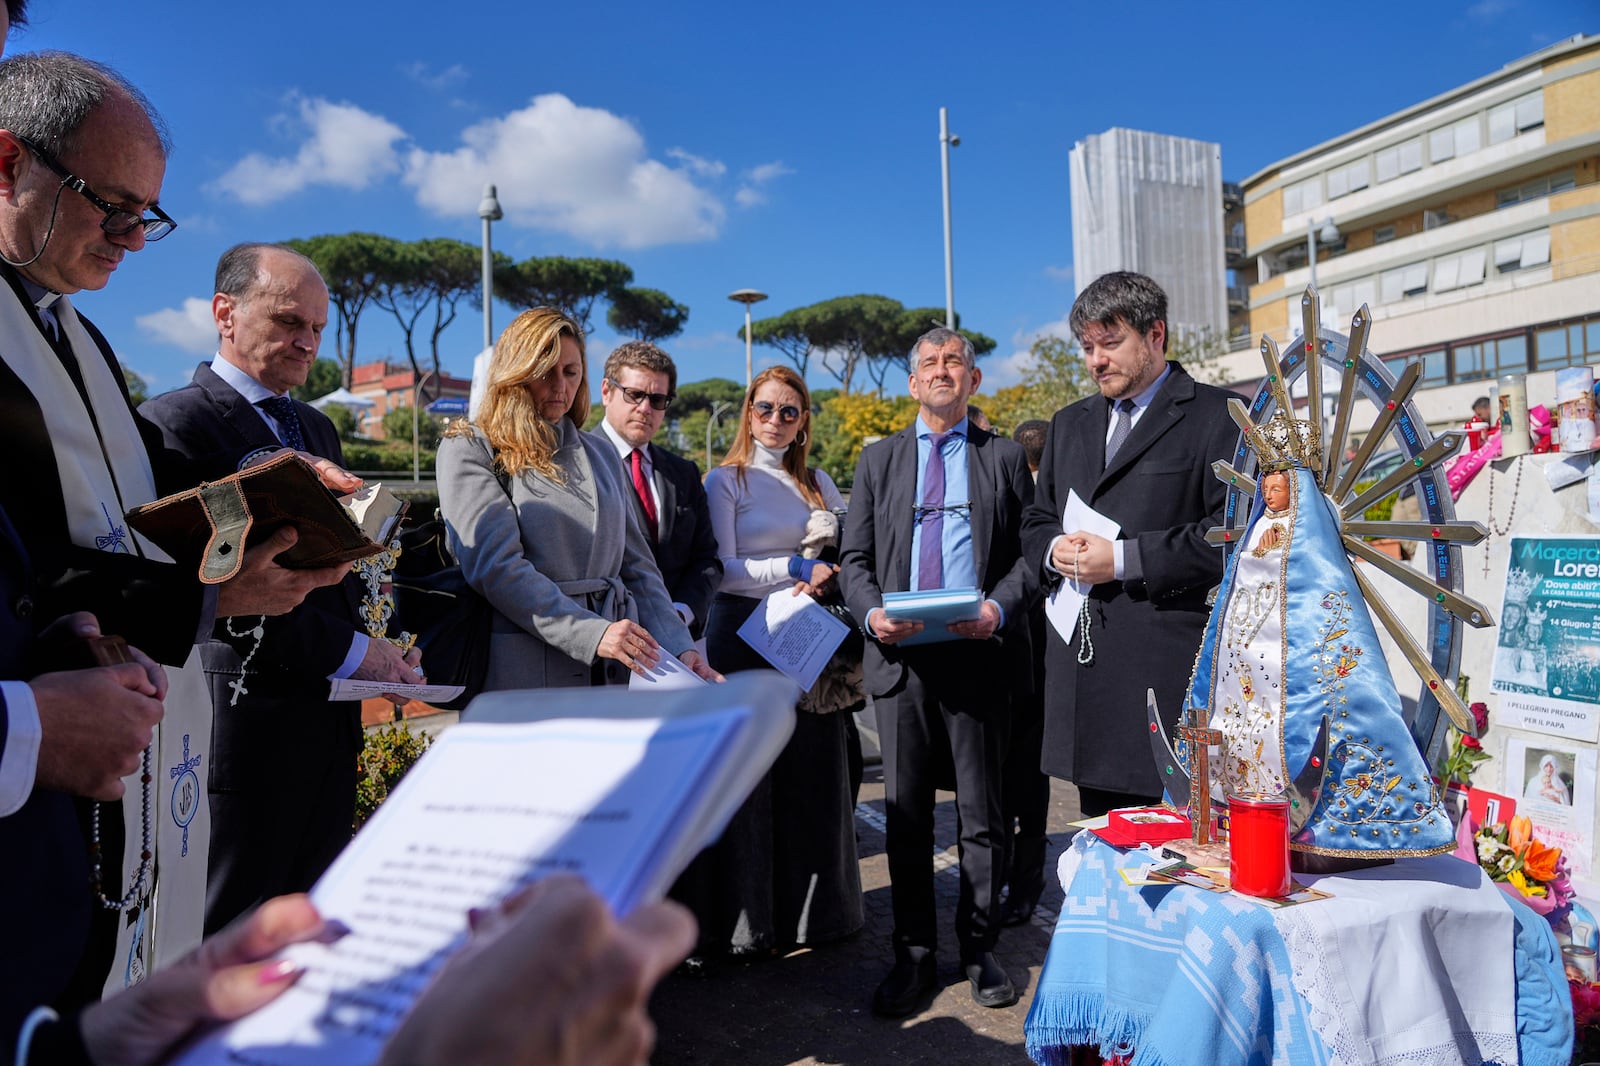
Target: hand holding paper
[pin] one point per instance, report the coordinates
(1063, 605)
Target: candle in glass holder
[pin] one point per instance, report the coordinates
(1258, 844)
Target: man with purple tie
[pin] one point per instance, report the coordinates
(939, 506)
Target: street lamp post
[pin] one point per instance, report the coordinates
(1328, 232)
(947, 142)
(717, 410)
(489, 211)
(416, 423)
(746, 297)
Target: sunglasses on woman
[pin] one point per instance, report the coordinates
(764, 410)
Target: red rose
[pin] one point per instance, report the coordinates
(1480, 716)
(1471, 742)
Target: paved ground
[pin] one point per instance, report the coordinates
(814, 1006)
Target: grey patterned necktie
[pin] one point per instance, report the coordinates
(1120, 431)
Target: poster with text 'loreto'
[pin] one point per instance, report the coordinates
(1547, 647)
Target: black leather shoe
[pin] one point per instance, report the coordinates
(912, 980)
(991, 987)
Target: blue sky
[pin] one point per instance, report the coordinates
(792, 149)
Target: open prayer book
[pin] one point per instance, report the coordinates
(211, 524)
(621, 788)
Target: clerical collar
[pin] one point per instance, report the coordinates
(42, 298)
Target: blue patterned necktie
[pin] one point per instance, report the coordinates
(1120, 431)
(930, 550)
(281, 408)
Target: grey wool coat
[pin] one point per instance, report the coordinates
(558, 562)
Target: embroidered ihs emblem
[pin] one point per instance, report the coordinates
(114, 541)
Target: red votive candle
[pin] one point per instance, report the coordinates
(1258, 844)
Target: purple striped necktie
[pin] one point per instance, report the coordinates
(930, 551)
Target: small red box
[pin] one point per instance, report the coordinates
(1144, 825)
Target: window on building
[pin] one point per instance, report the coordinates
(1346, 298)
(1490, 358)
(1533, 190)
(1383, 235)
(1410, 280)
(1459, 270)
(1302, 196)
(1516, 116)
(1435, 366)
(1352, 177)
(1571, 345)
(1398, 159)
(1518, 253)
(1433, 218)
(1457, 139)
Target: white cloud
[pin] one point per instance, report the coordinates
(699, 166)
(577, 170)
(750, 193)
(1489, 10)
(1059, 273)
(424, 75)
(346, 147)
(189, 328)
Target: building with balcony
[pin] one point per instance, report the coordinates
(1468, 223)
(1154, 203)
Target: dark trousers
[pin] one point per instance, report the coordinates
(279, 815)
(946, 713)
(1097, 801)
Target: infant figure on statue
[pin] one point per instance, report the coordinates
(1290, 642)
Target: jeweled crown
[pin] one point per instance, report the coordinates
(1283, 442)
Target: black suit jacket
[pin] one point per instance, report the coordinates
(300, 649)
(1159, 488)
(45, 887)
(685, 549)
(875, 556)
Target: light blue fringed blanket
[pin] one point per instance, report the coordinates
(1184, 976)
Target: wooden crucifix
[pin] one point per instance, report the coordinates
(1200, 737)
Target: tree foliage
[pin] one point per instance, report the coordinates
(138, 388)
(397, 426)
(646, 314)
(343, 419)
(574, 285)
(848, 335)
(323, 377)
(355, 266)
(434, 274)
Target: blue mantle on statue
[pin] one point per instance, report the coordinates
(1183, 976)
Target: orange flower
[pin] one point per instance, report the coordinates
(1539, 861)
(1518, 832)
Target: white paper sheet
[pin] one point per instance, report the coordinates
(668, 673)
(350, 689)
(488, 809)
(1063, 605)
(795, 634)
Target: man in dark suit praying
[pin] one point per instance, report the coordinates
(1140, 453)
(283, 770)
(939, 505)
(639, 384)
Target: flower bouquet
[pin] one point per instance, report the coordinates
(1585, 1019)
(1519, 864)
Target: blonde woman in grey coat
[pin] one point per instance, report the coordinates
(540, 520)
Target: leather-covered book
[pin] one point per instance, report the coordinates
(212, 525)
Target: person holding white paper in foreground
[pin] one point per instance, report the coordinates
(550, 978)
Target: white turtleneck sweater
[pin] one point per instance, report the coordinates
(759, 524)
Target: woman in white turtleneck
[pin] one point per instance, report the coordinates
(786, 870)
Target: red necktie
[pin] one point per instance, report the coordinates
(643, 489)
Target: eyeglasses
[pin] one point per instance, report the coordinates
(119, 222)
(660, 401)
(765, 410)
